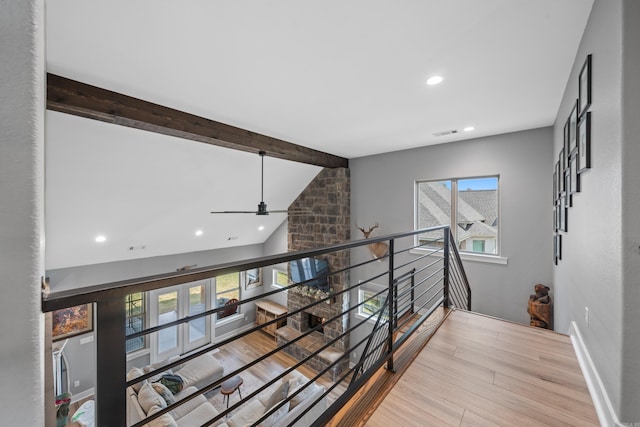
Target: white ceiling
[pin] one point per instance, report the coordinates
(345, 77)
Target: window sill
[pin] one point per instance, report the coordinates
(138, 353)
(276, 286)
(229, 319)
(361, 316)
(466, 256)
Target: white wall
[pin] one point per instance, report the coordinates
(382, 189)
(21, 211)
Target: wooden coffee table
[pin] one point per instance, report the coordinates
(229, 386)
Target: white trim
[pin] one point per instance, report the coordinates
(82, 395)
(229, 319)
(466, 256)
(606, 414)
(234, 333)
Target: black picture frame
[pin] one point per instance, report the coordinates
(555, 188)
(568, 198)
(573, 174)
(562, 214)
(566, 136)
(584, 87)
(558, 246)
(573, 126)
(584, 144)
(558, 176)
(562, 159)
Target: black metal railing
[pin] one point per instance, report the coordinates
(369, 302)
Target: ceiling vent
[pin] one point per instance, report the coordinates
(445, 132)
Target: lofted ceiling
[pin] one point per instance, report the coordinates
(344, 77)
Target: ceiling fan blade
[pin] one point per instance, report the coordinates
(233, 212)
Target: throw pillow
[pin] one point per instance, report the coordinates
(294, 378)
(300, 397)
(163, 391)
(172, 382)
(148, 397)
(165, 420)
(273, 418)
(133, 374)
(279, 394)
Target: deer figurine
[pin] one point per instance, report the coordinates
(379, 249)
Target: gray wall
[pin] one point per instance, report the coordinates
(21, 212)
(600, 268)
(382, 189)
(275, 244)
(630, 210)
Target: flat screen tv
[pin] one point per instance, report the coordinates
(305, 269)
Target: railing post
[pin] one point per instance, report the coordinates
(447, 242)
(391, 304)
(413, 291)
(111, 363)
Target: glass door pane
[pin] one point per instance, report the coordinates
(197, 330)
(167, 312)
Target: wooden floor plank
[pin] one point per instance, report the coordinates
(496, 372)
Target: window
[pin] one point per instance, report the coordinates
(135, 321)
(280, 278)
(228, 289)
(373, 300)
(471, 204)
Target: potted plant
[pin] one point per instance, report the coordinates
(62, 409)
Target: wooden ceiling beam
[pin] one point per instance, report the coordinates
(80, 99)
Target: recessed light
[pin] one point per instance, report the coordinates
(199, 232)
(434, 80)
(468, 129)
(101, 238)
(261, 228)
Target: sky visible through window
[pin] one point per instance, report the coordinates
(477, 184)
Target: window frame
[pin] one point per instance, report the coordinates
(498, 257)
(372, 288)
(274, 278)
(214, 295)
(143, 317)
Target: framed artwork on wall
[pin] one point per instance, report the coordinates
(584, 145)
(253, 278)
(567, 198)
(573, 123)
(72, 321)
(573, 174)
(584, 87)
(562, 215)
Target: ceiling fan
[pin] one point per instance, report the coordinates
(262, 206)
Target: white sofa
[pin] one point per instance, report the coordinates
(146, 397)
(253, 410)
(191, 414)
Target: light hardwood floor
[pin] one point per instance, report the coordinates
(473, 371)
(482, 371)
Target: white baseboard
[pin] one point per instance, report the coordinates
(601, 401)
(83, 395)
(233, 333)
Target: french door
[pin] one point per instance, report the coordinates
(177, 302)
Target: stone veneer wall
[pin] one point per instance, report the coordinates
(327, 199)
